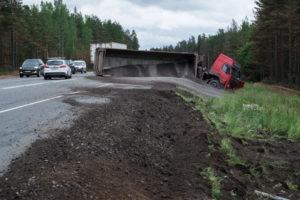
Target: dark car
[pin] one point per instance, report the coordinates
(71, 65)
(31, 67)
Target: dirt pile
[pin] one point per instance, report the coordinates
(142, 145)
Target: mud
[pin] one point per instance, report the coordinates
(144, 144)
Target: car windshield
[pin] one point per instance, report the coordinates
(79, 63)
(30, 62)
(55, 62)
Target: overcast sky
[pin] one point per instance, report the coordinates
(164, 22)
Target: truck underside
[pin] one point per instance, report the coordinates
(131, 63)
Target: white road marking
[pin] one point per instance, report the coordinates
(30, 104)
(104, 85)
(34, 84)
(73, 93)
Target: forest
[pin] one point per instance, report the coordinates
(268, 48)
(52, 30)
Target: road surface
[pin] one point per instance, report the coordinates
(32, 108)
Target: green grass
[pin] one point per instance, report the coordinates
(254, 111)
(4, 72)
(292, 186)
(233, 159)
(214, 181)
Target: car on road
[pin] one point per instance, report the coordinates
(80, 66)
(31, 67)
(71, 65)
(57, 68)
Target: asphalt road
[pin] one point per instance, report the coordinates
(33, 108)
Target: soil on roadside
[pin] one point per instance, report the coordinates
(145, 144)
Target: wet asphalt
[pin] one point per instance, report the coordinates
(33, 108)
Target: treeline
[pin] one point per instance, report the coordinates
(277, 40)
(51, 30)
(268, 49)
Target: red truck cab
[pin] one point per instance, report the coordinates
(225, 73)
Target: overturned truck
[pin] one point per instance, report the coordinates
(130, 63)
(224, 73)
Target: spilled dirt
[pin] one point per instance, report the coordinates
(145, 144)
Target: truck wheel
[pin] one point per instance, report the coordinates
(215, 83)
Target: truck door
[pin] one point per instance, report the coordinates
(225, 75)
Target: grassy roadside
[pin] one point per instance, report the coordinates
(249, 122)
(252, 112)
(5, 72)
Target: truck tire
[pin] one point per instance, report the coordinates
(215, 83)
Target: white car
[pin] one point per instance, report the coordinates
(80, 66)
(57, 68)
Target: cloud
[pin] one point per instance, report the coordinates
(163, 22)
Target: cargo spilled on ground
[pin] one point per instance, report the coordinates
(149, 144)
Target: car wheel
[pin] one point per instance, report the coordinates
(21, 75)
(38, 74)
(215, 83)
(27, 75)
(45, 77)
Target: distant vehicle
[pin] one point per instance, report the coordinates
(80, 66)
(31, 67)
(225, 73)
(71, 65)
(57, 68)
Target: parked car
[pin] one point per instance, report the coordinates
(80, 66)
(72, 66)
(31, 67)
(57, 68)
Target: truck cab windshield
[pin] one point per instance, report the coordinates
(236, 72)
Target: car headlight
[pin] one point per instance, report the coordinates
(21, 68)
(35, 67)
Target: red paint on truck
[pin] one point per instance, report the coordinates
(225, 72)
